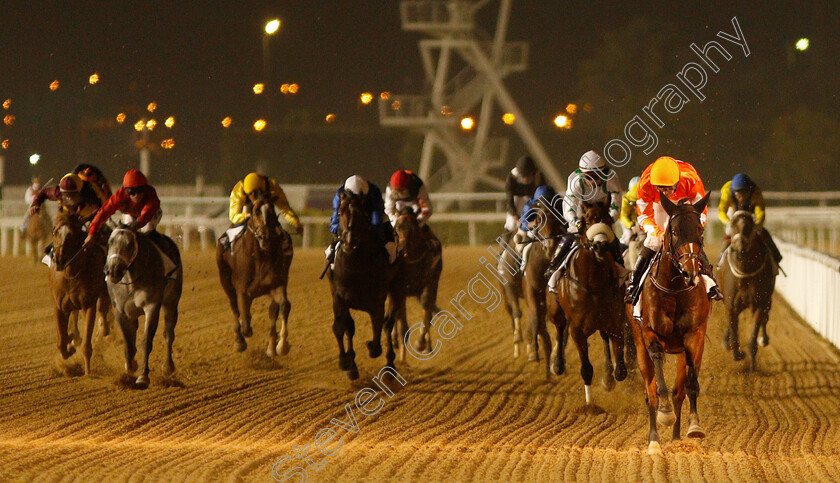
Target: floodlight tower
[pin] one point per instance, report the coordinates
(463, 70)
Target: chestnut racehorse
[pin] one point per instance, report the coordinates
(675, 310)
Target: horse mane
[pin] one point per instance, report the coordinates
(65, 218)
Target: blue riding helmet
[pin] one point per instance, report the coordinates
(741, 182)
(544, 191)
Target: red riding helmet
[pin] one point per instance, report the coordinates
(134, 179)
(400, 179)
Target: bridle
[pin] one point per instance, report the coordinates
(127, 260)
(737, 272)
(679, 256)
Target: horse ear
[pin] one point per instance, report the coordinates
(701, 205)
(667, 204)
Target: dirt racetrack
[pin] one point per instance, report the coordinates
(471, 413)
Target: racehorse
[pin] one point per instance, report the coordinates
(510, 283)
(76, 284)
(139, 284)
(421, 267)
(589, 299)
(37, 233)
(361, 278)
(258, 265)
(675, 310)
(748, 279)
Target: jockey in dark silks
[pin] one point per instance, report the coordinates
(520, 185)
(742, 194)
(374, 206)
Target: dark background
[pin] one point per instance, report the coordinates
(775, 114)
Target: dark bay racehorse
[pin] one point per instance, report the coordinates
(77, 285)
(37, 233)
(259, 265)
(675, 310)
(139, 284)
(748, 278)
(421, 268)
(589, 299)
(361, 278)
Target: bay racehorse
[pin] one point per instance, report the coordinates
(37, 233)
(748, 278)
(422, 264)
(675, 311)
(141, 282)
(361, 278)
(257, 265)
(77, 285)
(589, 299)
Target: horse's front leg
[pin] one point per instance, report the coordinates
(128, 327)
(679, 394)
(170, 319)
(734, 338)
(761, 316)
(244, 302)
(285, 308)
(586, 370)
(609, 381)
(152, 313)
(651, 399)
(87, 343)
(377, 320)
(558, 318)
(665, 415)
(103, 307)
(65, 344)
(694, 343)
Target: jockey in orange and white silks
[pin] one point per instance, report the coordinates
(677, 180)
(406, 190)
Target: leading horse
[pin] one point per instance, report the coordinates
(76, 284)
(748, 279)
(675, 311)
(140, 284)
(361, 278)
(258, 265)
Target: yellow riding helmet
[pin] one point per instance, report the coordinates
(70, 183)
(665, 172)
(253, 182)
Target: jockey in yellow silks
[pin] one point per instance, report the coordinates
(742, 194)
(256, 186)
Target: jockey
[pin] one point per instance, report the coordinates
(138, 200)
(373, 205)
(527, 234)
(628, 211)
(742, 194)
(519, 186)
(592, 182)
(405, 190)
(676, 180)
(74, 196)
(32, 190)
(256, 186)
(97, 180)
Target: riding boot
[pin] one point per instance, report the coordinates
(706, 269)
(633, 288)
(771, 245)
(560, 254)
(724, 245)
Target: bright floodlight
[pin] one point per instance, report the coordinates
(802, 44)
(33, 160)
(272, 26)
(561, 121)
(467, 123)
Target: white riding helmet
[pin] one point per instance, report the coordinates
(633, 182)
(591, 161)
(356, 185)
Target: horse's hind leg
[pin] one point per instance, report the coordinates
(619, 352)
(73, 328)
(608, 381)
(152, 318)
(285, 307)
(679, 394)
(734, 337)
(225, 277)
(65, 346)
(87, 347)
(761, 317)
(558, 318)
(170, 319)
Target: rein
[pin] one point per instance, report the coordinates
(676, 257)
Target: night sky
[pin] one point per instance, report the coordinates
(199, 60)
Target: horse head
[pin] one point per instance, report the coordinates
(744, 231)
(68, 238)
(122, 250)
(597, 227)
(263, 222)
(684, 236)
(354, 221)
(409, 236)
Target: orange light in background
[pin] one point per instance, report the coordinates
(293, 88)
(151, 107)
(170, 121)
(330, 118)
(284, 88)
(571, 108)
(366, 98)
(150, 124)
(167, 143)
(259, 125)
(54, 85)
(508, 118)
(7, 103)
(562, 122)
(9, 120)
(120, 118)
(93, 79)
(587, 107)
(467, 123)
(446, 110)
(396, 105)
(226, 122)
(5, 144)
(385, 95)
(139, 125)
(258, 88)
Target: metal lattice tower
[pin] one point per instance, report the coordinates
(464, 68)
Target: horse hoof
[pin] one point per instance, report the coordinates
(69, 351)
(515, 351)
(695, 431)
(558, 369)
(240, 345)
(738, 355)
(620, 373)
(609, 382)
(374, 349)
(131, 367)
(420, 346)
(666, 419)
(247, 331)
(533, 357)
(142, 382)
(763, 340)
(654, 448)
(517, 337)
(353, 373)
(169, 368)
(283, 347)
(344, 362)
